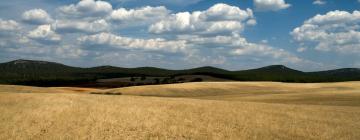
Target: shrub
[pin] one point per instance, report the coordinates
(107, 93)
(196, 80)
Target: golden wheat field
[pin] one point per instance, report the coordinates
(208, 110)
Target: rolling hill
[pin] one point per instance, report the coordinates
(223, 110)
(42, 73)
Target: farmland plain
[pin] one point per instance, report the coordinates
(205, 110)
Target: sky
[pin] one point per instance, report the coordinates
(308, 35)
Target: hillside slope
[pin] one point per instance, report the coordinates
(41, 73)
(343, 93)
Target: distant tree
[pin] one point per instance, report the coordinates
(196, 80)
(132, 79)
(172, 77)
(181, 80)
(157, 81)
(165, 81)
(143, 78)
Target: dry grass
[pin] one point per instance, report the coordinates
(346, 93)
(29, 89)
(222, 88)
(253, 111)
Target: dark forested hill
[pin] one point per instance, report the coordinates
(270, 73)
(29, 72)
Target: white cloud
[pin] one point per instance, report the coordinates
(69, 51)
(158, 44)
(78, 26)
(86, 8)
(8, 25)
(251, 22)
(87, 16)
(10, 33)
(264, 41)
(185, 39)
(266, 51)
(57, 52)
(36, 16)
(44, 33)
(239, 46)
(319, 2)
(336, 31)
(270, 5)
(140, 15)
(218, 19)
(221, 12)
(213, 41)
(301, 49)
(161, 2)
(243, 47)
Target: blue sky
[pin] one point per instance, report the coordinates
(308, 35)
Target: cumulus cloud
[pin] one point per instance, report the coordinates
(44, 34)
(218, 28)
(218, 19)
(162, 2)
(9, 31)
(336, 31)
(221, 11)
(144, 14)
(270, 5)
(301, 49)
(87, 16)
(239, 46)
(319, 2)
(36, 16)
(209, 37)
(69, 51)
(49, 52)
(8, 25)
(79, 26)
(86, 8)
(262, 50)
(158, 44)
